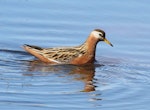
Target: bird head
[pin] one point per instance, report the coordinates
(100, 35)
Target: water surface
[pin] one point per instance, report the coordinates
(118, 80)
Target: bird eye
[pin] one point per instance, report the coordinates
(100, 34)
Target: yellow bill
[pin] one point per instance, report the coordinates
(105, 40)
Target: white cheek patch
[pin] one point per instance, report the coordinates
(96, 34)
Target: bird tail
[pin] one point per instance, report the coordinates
(35, 51)
(32, 47)
(38, 53)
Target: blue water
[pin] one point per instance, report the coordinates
(120, 78)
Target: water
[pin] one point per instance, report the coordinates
(120, 78)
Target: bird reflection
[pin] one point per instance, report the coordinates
(84, 73)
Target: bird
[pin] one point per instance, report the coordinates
(77, 55)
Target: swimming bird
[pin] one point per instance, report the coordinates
(77, 55)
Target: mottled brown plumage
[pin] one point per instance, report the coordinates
(82, 54)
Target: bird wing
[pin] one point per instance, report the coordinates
(53, 55)
(63, 55)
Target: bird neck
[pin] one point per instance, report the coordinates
(91, 43)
